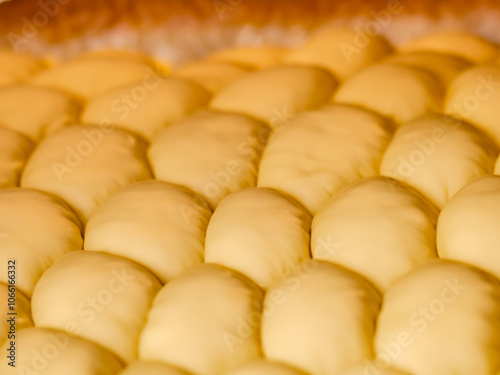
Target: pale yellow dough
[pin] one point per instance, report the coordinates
(265, 367)
(89, 77)
(17, 67)
(206, 321)
(396, 91)
(213, 75)
(157, 224)
(212, 153)
(36, 111)
(151, 368)
(100, 297)
(468, 227)
(438, 156)
(86, 164)
(273, 94)
(465, 45)
(322, 151)
(36, 229)
(321, 319)
(144, 108)
(374, 368)
(259, 232)
(474, 95)
(341, 51)
(42, 351)
(13, 301)
(15, 149)
(441, 319)
(377, 227)
(254, 57)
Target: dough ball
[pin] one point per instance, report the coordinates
(399, 92)
(468, 225)
(43, 351)
(15, 149)
(206, 321)
(377, 227)
(154, 223)
(259, 232)
(17, 67)
(36, 111)
(438, 156)
(144, 108)
(441, 319)
(260, 57)
(274, 94)
(86, 164)
(374, 368)
(97, 296)
(36, 229)
(151, 368)
(212, 153)
(341, 51)
(321, 318)
(322, 151)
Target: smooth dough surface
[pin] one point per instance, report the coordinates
(468, 227)
(374, 368)
(259, 232)
(259, 57)
(321, 318)
(266, 367)
(438, 156)
(44, 351)
(473, 96)
(341, 51)
(146, 108)
(100, 297)
(151, 368)
(396, 91)
(18, 304)
(212, 153)
(377, 227)
(17, 67)
(157, 224)
(36, 229)
(441, 319)
(207, 321)
(465, 45)
(15, 149)
(322, 151)
(86, 164)
(271, 94)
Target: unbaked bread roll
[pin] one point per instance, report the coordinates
(151, 368)
(265, 367)
(15, 149)
(273, 94)
(259, 232)
(377, 227)
(321, 318)
(438, 156)
(17, 66)
(48, 111)
(473, 96)
(87, 78)
(100, 297)
(207, 321)
(86, 164)
(36, 229)
(157, 224)
(465, 45)
(396, 91)
(257, 57)
(443, 318)
(43, 351)
(212, 153)
(321, 151)
(13, 301)
(443, 66)
(371, 368)
(145, 107)
(212, 75)
(341, 51)
(468, 227)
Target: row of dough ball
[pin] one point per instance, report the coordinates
(321, 319)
